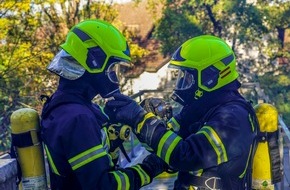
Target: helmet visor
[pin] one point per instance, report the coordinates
(185, 80)
(66, 66)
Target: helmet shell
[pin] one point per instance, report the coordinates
(93, 42)
(213, 59)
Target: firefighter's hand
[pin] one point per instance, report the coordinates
(123, 109)
(153, 165)
(157, 106)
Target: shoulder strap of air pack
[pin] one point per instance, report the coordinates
(245, 104)
(256, 131)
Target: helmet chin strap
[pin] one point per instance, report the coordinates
(198, 94)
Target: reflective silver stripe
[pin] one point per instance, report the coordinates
(145, 179)
(87, 156)
(215, 142)
(105, 139)
(122, 180)
(167, 144)
(106, 144)
(52, 165)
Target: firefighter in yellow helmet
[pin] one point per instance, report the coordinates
(212, 138)
(73, 128)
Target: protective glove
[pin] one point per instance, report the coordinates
(157, 106)
(153, 165)
(123, 109)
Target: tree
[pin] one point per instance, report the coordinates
(255, 31)
(30, 35)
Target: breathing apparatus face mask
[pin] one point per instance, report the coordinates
(107, 83)
(186, 86)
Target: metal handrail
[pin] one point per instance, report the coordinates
(286, 142)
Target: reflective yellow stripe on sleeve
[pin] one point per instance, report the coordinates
(122, 180)
(215, 142)
(87, 156)
(167, 144)
(173, 124)
(145, 179)
(52, 165)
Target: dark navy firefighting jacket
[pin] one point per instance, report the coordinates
(77, 155)
(217, 143)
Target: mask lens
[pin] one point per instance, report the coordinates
(115, 69)
(185, 80)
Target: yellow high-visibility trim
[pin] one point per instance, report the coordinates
(87, 156)
(147, 116)
(245, 170)
(167, 144)
(252, 124)
(173, 124)
(215, 142)
(52, 165)
(122, 180)
(161, 143)
(171, 148)
(145, 179)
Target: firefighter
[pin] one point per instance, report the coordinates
(213, 138)
(73, 128)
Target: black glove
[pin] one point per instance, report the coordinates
(153, 165)
(123, 109)
(157, 106)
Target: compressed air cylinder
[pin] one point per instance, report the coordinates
(266, 162)
(25, 139)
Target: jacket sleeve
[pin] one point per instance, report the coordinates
(91, 163)
(227, 136)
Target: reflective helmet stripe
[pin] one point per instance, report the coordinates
(145, 179)
(52, 165)
(215, 142)
(167, 144)
(87, 157)
(82, 35)
(227, 60)
(122, 180)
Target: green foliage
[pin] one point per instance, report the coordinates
(30, 35)
(255, 32)
(277, 87)
(175, 28)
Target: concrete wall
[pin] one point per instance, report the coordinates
(8, 173)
